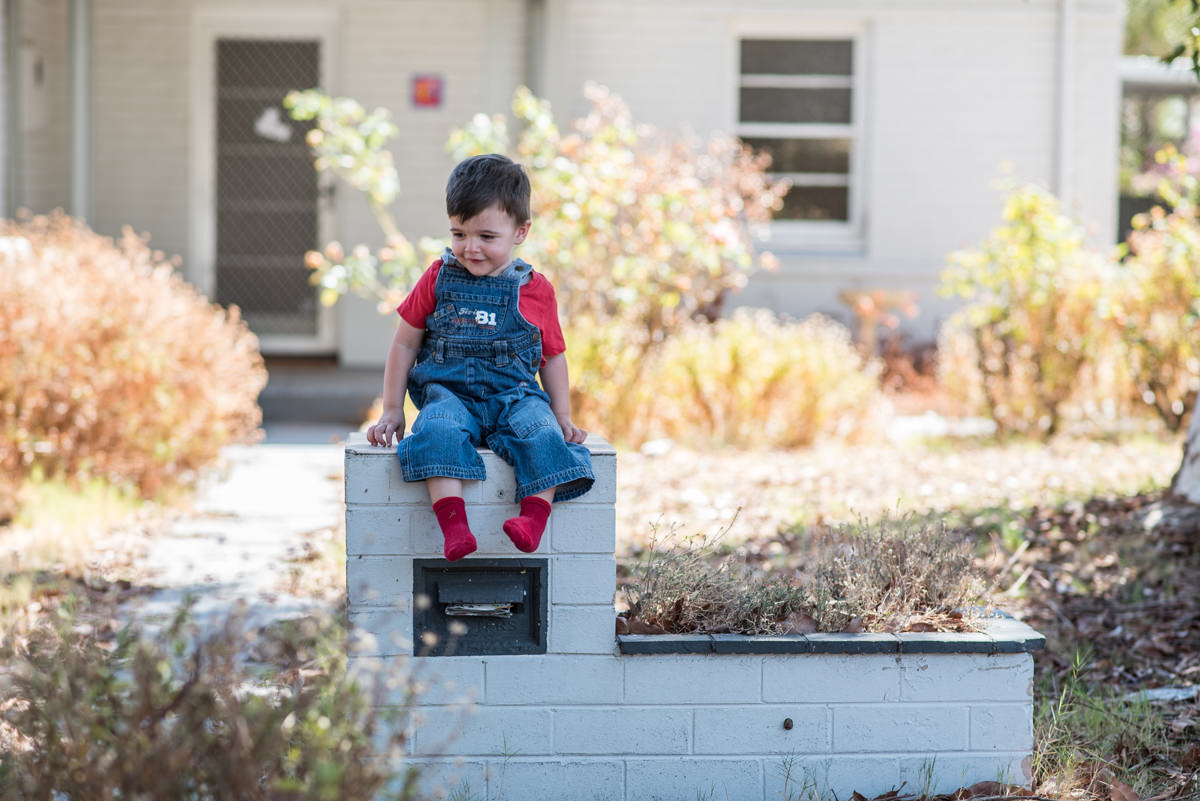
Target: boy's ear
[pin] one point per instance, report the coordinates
(523, 231)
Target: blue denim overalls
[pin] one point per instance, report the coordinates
(475, 381)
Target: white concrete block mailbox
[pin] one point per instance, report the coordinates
(564, 709)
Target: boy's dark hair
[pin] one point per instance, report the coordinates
(480, 181)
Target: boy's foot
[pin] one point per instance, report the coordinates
(452, 517)
(526, 531)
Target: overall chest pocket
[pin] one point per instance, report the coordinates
(462, 314)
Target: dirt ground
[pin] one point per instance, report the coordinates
(755, 494)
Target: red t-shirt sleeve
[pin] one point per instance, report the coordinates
(420, 302)
(539, 306)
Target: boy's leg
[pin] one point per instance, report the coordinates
(451, 512)
(528, 437)
(526, 529)
(441, 451)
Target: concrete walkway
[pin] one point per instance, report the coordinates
(248, 520)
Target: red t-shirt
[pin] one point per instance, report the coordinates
(536, 303)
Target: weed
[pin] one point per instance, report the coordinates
(185, 715)
(1082, 728)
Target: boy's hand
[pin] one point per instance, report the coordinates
(571, 432)
(389, 423)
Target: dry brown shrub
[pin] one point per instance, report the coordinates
(892, 575)
(111, 366)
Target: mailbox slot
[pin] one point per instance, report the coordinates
(501, 603)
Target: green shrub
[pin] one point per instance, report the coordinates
(111, 366)
(352, 144)
(749, 380)
(753, 379)
(632, 224)
(1036, 314)
(1157, 312)
(182, 716)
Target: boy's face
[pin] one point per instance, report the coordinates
(484, 243)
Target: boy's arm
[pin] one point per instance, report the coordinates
(558, 386)
(401, 355)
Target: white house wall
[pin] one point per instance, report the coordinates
(954, 93)
(958, 95)
(5, 112)
(142, 112)
(44, 170)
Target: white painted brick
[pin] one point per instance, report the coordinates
(448, 680)
(483, 731)
(501, 485)
(381, 631)
(1002, 727)
(966, 677)
(899, 727)
(583, 580)
(690, 779)
(442, 780)
(377, 530)
(604, 490)
(945, 773)
(378, 580)
(577, 528)
(685, 679)
(760, 730)
(554, 679)
(385, 679)
(582, 630)
(557, 780)
(835, 677)
(829, 777)
(375, 478)
(623, 730)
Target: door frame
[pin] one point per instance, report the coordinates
(269, 22)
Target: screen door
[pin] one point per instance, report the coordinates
(267, 199)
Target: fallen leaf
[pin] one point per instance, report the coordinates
(983, 789)
(1191, 758)
(1119, 791)
(622, 625)
(799, 623)
(637, 626)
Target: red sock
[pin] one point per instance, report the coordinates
(526, 531)
(452, 517)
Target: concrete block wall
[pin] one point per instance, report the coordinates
(390, 522)
(772, 718)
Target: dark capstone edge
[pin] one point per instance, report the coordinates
(766, 644)
(665, 643)
(854, 643)
(1007, 636)
(945, 643)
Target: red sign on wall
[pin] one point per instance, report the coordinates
(427, 91)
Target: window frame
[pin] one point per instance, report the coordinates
(820, 235)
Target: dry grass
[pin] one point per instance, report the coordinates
(701, 491)
(891, 575)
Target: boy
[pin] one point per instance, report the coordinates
(475, 333)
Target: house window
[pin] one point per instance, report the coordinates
(797, 101)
